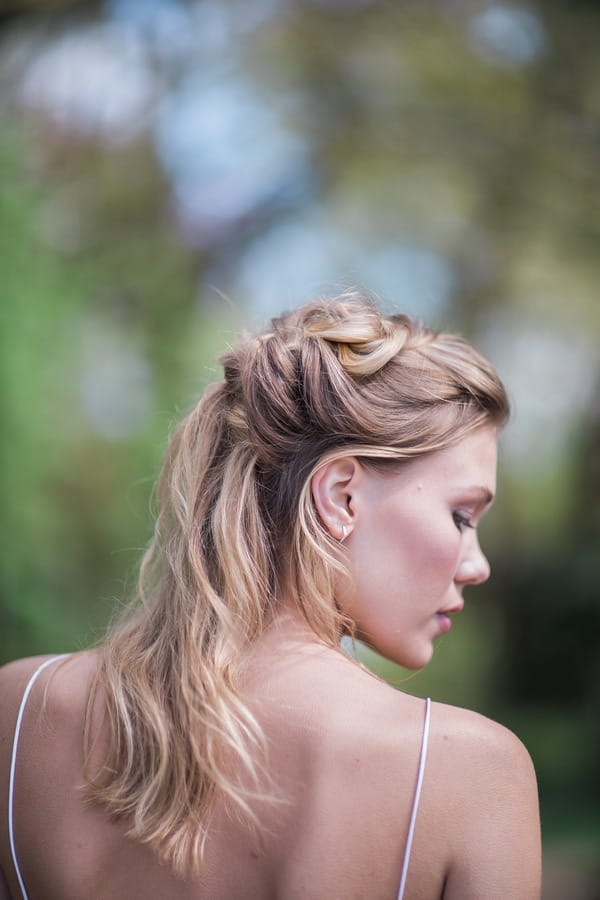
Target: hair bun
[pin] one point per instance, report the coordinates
(363, 340)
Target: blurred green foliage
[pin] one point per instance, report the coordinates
(75, 509)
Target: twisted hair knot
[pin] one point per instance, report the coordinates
(364, 341)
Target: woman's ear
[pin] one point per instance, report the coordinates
(332, 488)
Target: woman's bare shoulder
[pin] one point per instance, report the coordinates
(480, 801)
(20, 669)
(464, 745)
(493, 749)
(15, 676)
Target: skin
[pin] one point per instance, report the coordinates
(412, 546)
(343, 746)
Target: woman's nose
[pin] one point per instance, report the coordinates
(473, 567)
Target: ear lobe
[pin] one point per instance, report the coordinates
(332, 488)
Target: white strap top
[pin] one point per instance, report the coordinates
(13, 763)
(416, 798)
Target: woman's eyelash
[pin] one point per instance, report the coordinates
(461, 521)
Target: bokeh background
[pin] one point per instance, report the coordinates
(172, 171)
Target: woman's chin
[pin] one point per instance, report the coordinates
(413, 658)
(415, 661)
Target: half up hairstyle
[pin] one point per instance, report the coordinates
(236, 525)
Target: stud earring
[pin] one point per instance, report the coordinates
(344, 534)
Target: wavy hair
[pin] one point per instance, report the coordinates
(236, 525)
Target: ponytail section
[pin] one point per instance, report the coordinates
(180, 732)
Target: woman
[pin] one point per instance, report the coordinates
(219, 744)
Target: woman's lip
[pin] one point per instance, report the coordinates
(443, 616)
(458, 607)
(445, 622)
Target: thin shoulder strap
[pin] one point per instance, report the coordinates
(13, 765)
(417, 797)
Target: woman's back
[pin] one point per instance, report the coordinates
(345, 748)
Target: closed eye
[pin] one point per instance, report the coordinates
(461, 521)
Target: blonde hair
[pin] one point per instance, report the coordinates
(236, 524)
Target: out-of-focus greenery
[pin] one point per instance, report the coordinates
(156, 159)
(75, 502)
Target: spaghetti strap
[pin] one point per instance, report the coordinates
(13, 765)
(417, 797)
